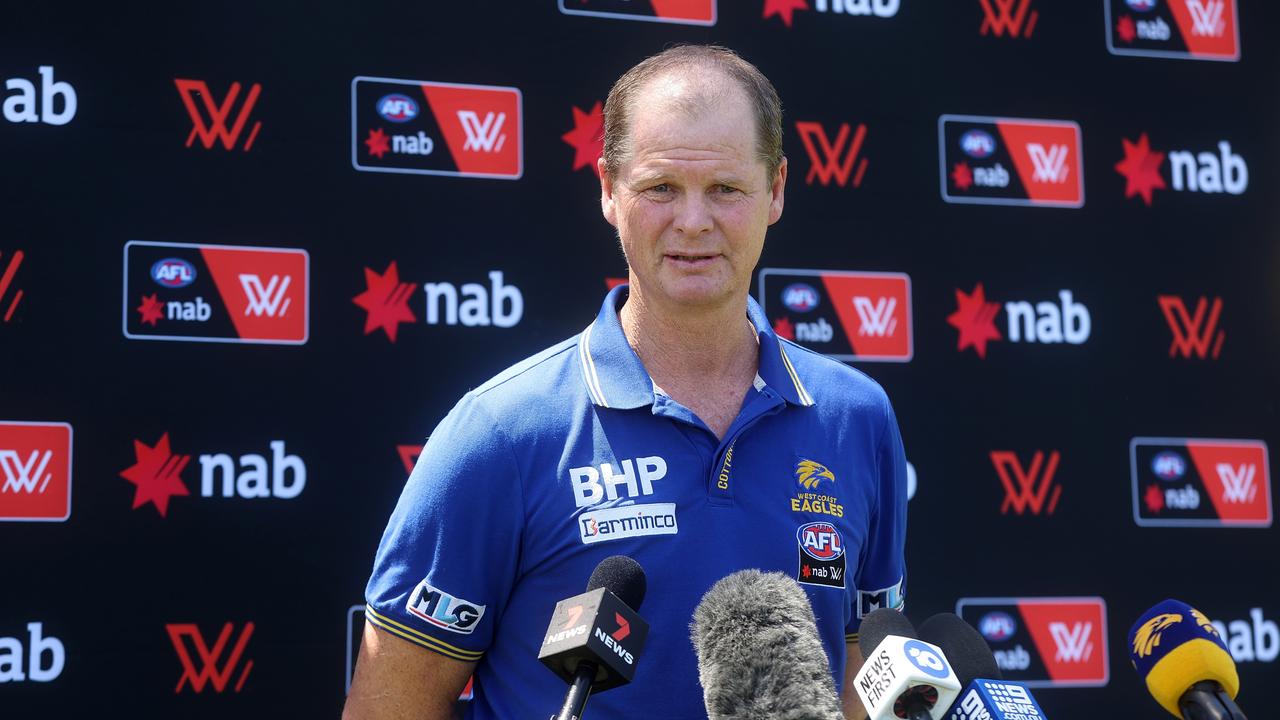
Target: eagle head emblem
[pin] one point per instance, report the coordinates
(810, 473)
(1148, 636)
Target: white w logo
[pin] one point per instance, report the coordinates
(265, 300)
(1073, 643)
(483, 136)
(20, 477)
(877, 319)
(1207, 16)
(1051, 164)
(1237, 482)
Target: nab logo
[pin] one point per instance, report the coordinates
(10, 269)
(38, 646)
(683, 12)
(22, 106)
(215, 293)
(157, 474)
(187, 637)
(1010, 161)
(1044, 642)
(834, 161)
(844, 315)
(1189, 171)
(1014, 18)
(1066, 321)
(785, 9)
(1179, 29)
(1194, 334)
(35, 465)
(385, 301)
(220, 127)
(1184, 482)
(1254, 640)
(444, 610)
(587, 137)
(436, 128)
(1030, 488)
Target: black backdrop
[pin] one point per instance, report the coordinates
(108, 580)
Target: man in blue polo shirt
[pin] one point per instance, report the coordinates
(677, 428)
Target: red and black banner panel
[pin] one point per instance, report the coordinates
(684, 12)
(1187, 29)
(1044, 642)
(215, 293)
(1010, 161)
(846, 315)
(1187, 482)
(436, 128)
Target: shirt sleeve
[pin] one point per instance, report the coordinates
(447, 560)
(882, 574)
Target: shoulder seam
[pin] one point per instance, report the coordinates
(490, 385)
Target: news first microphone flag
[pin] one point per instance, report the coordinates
(1174, 646)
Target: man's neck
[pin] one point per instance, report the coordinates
(703, 358)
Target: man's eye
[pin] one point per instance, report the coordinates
(660, 187)
(725, 189)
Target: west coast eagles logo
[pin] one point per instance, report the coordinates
(1147, 638)
(809, 474)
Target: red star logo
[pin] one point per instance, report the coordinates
(975, 319)
(1154, 499)
(783, 328)
(1141, 169)
(962, 176)
(587, 137)
(378, 142)
(783, 9)
(386, 299)
(805, 571)
(157, 474)
(1126, 29)
(151, 309)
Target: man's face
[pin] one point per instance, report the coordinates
(692, 201)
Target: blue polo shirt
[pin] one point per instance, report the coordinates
(574, 455)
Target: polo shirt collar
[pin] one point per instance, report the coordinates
(615, 377)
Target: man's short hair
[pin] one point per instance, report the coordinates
(759, 92)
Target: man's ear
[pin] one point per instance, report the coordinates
(777, 192)
(607, 200)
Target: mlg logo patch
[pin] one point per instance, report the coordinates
(682, 12)
(845, 315)
(434, 128)
(1175, 29)
(1044, 642)
(1010, 161)
(1194, 482)
(215, 293)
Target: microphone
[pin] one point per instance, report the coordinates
(1184, 662)
(985, 695)
(759, 653)
(902, 676)
(595, 639)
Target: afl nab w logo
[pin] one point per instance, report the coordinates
(809, 474)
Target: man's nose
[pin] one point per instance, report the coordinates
(693, 215)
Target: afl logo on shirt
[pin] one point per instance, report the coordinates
(822, 556)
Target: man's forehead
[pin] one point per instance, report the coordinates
(688, 91)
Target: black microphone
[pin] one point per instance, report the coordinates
(759, 653)
(985, 694)
(901, 676)
(595, 639)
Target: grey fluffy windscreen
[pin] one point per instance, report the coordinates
(759, 654)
